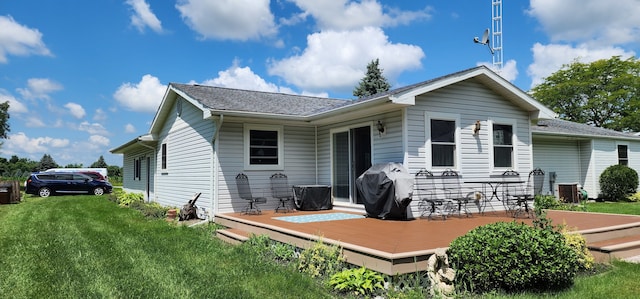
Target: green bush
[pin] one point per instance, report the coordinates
(321, 260)
(512, 256)
(359, 281)
(618, 181)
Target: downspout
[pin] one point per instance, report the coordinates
(153, 150)
(215, 203)
(316, 146)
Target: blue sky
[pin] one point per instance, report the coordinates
(83, 77)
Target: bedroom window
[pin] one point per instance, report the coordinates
(502, 146)
(263, 147)
(443, 143)
(623, 154)
(164, 156)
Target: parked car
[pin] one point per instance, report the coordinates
(48, 183)
(94, 175)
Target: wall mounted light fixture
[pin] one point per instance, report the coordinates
(476, 127)
(380, 127)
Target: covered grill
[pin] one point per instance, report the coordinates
(386, 190)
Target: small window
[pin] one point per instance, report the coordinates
(164, 156)
(263, 147)
(502, 146)
(623, 154)
(136, 168)
(443, 143)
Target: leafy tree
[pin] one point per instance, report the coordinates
(100, 163)
(114, 171)
(4, 120)
(603, 93)
(73, 165)
(373, 82)
(46, 162)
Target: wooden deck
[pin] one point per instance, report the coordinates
(395, 247)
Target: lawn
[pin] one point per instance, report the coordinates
(630, 208)
(88, 247)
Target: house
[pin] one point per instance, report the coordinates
(202, 136)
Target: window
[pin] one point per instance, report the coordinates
(623, 154)
(164, 156)
(137, 164)
(443, 143)
(263, 147)
(502, 146)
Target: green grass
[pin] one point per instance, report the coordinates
(630, 208)
(88, 247)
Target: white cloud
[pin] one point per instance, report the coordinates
(596, 23)
(349, 15)
(92, 128)
(99, 140)
(228, 19)
(39, 88)
(34, 122)
(244, 78)
(129, 128)
(509, 70)
(15, 106)
(20, 142)
(548, 59)
(144, 96)
(337, 60)
(100, 115)
(143, 17)
(16, 39)
(76, 110)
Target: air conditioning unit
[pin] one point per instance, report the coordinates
(568, 193)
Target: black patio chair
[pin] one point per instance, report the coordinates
(281, 190)
(454, 191)
(532, 187)
(244, 190)
(430, 201)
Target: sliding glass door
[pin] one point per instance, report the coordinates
(351, 156)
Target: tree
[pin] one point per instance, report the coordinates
(46, 163)
(73, 165)
(373, 82)
(603, 93)
(100, 163)
(4, 120)
(114, 171)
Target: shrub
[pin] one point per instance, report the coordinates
(634, 197)
(512, 257)
(359, 281)
(578, 244)
(546, 202)
(618, 181)
(321, 260)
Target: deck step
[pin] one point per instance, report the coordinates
(232, 235)
(618, 248)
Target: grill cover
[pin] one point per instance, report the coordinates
(386, 190)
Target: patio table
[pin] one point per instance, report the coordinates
(493, 184)
(312, 197)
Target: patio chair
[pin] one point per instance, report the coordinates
(513, 192)
(429, 201)
(454, 191)
(532, 188)
(281, 190)
(244, 190)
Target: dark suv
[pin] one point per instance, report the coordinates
(47, 183)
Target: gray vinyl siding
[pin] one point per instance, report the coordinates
(189, 160)
(131, 184)
(606, 153)
(299, 164)
(565, 158)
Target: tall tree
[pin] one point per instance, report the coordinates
(4, 120)
(100, 163)
(373, 82)
(46, 163)
(603, 93)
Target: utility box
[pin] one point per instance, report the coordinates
(569, 193)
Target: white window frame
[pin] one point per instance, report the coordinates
(247, 142)
(428, 144)
(618, 152)
(514, 142)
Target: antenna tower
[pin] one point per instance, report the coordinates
(496, 33)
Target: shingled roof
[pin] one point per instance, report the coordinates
(227, 99)
(568, 128)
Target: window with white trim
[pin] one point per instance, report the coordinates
(623, 154)
(263, 147)
(442, 140)
(164, 156)
(503, 145)
(137, 165)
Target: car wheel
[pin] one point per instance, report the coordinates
(98, 191)
(44, 192)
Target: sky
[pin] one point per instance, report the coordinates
(83, 77)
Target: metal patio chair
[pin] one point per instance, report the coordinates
(430, 202)
(455, 192)
(532, 187)
(513, 192)
(244, 190)
(281, 190)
